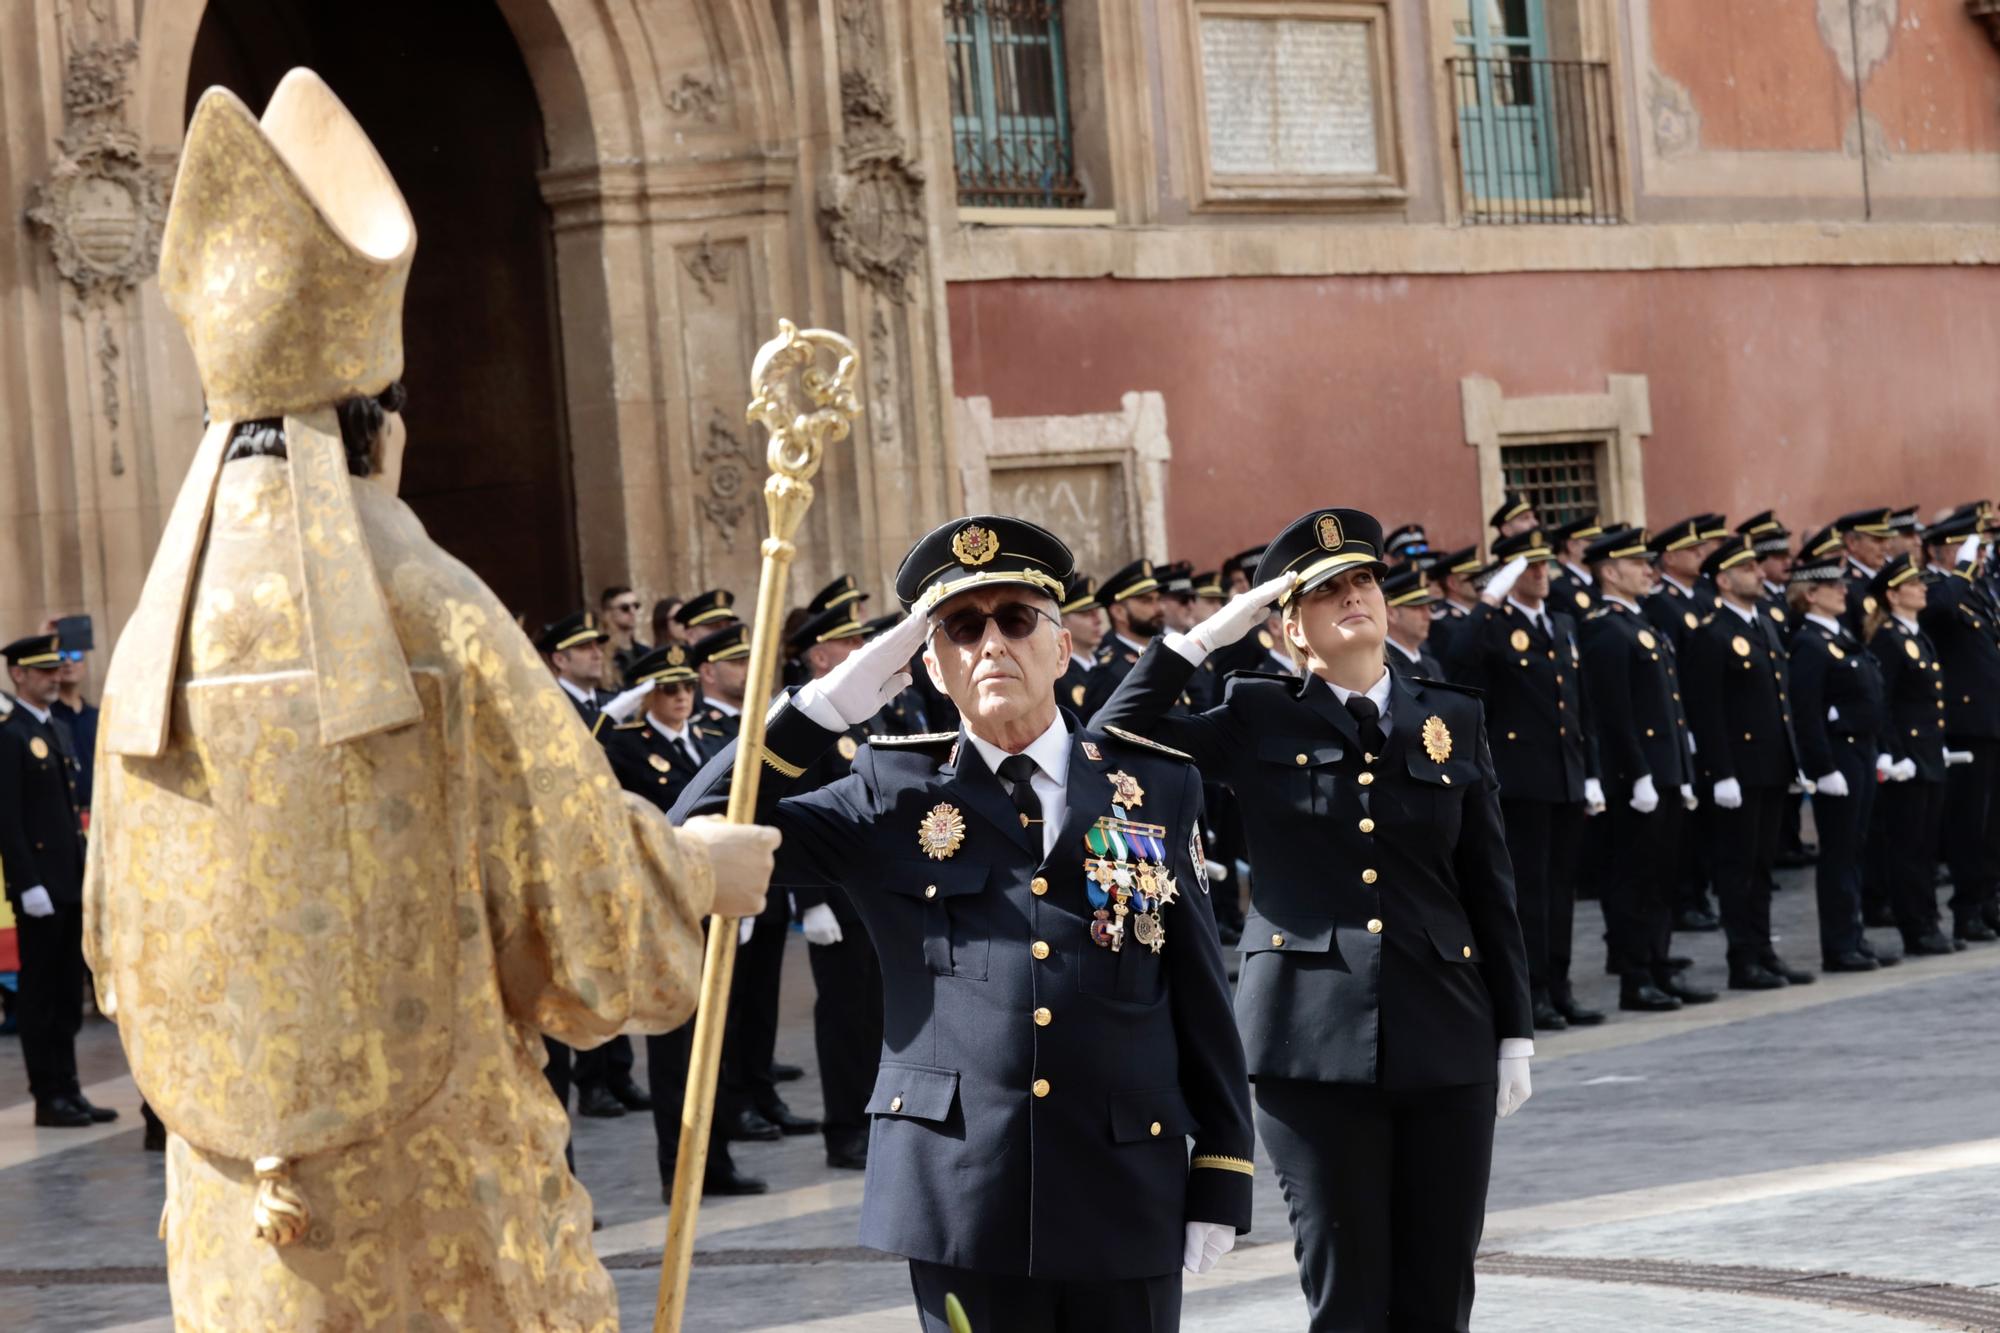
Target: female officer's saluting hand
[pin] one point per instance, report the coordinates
(1384, 998)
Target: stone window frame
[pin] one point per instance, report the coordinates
(1210, 193)
(1617, 421)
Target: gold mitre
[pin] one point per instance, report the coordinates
(285, 255)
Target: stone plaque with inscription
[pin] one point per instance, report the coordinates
(1289, 97)
(1083, 503)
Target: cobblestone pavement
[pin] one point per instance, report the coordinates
(1821, 1158)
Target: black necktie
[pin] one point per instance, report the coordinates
(693, 750)
(1019, 772)
(1368, 719)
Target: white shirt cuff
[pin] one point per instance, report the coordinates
(1516, 1048)
(808, 700)
(1187, 648)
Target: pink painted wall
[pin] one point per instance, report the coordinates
(1813, 391)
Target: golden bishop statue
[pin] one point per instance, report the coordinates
(354, 853)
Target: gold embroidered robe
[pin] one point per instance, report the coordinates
(345, 956)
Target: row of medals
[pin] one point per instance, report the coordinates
(1129, 882)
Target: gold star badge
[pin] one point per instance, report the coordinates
(1126, 790)
(941, 831)
(1437, 739)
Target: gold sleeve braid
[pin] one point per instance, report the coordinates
(1238, 1164)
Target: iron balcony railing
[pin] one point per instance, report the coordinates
(1012, 137)
(1537, 141)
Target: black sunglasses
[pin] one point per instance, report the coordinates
(1015, 619)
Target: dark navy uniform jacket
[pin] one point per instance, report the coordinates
(40, 841)
(1832, 673)
(1965, 625)
(648, 763)
(1570, 594)
(1636, 711)
(1913, 681)
(1535, 713)
(1382, 944)
(1677, 614)
(1112, 660)
(1070, 686)
(1037, 1091)
(1738, 685)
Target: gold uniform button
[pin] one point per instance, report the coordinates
(1510, 736)
(1154, 1129)
(1298, 759)
(1366, 779)
(1038, 886)
(1446, 778)
(895, 1103)
(1368, 876)
(1042, 1018)
(1040, 948)
(1367, 826)
(1277, 941)
(930, 890)
(1374, 926)
(1041, 1088)
(1649, 731)
(1468, 951)
(1746, 735)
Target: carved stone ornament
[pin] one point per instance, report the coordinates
(695, 97)
(103, 207)
(727, 460)
(874, 220)
(708, 266)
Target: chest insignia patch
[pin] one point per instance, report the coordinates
(1647, 641)
(659, 761)
(38, 747)
(848, 747)
(1740, 646)
(1437, 739)
(1910, 647)
(1689, 620)
(1090, 750)
(1199, 855)
(1834, 648)
(1519, 638)
(941, 832)
(1582, 601)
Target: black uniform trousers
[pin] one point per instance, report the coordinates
(750, 1041)
(668, 1055)
(1907, 816)
(1842, 822)
(1387, 1194)
(1745, 849)
(1639, 883)
(847, 1026)
(1004, 1303)
(49, 1007)
(1544, 839)
(1971, 825)
(603, 1064)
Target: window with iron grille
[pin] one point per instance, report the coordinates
(1010, 124)
(1559, 480)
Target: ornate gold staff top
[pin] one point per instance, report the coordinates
(805, 408)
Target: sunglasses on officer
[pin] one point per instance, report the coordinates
(1017, 620)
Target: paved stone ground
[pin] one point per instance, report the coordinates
(1666, 1165)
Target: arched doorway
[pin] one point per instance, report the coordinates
(445, 95)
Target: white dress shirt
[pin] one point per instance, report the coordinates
(722, 706)
(1748, 617)
(1537, 616)
(1050, 751)
(682, 740)
(40, 715)
(577, 692)
(1828, 623)
(1082, 663)
(1414, 656)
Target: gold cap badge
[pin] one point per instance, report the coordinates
(974, 545)
(1329, 533)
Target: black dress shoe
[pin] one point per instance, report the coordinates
(781, 1073)
(630, 1095)
(1755, 977)
(1881, 959)
(1696, 920)
(1878, 918)
(1848, 962)
(1685, 992)
(1796, 976)
(1578, 1016)
(61, 1113)
(725, 1179)
(1974, 931)
(1931, 944)
(1646, 998)
(1548, 1018)
(1680, 964)
(99, 1115)
(746, 1126)
(597, 1102)
(847, 1159)
(788, 1121)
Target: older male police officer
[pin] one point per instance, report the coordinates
(1056, 1014)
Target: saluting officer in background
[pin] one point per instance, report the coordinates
(1515, 516)
(1737, 694)
(1084, 618)
(1409, 600)
(1570, 588)
(1522, 654)
(1964, 623)
(1057, 1014)
(1384, 997)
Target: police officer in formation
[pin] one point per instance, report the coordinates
(1911, 803)
(1963, 621)
(1131, 602)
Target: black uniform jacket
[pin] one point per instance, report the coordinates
(1112, 660)
(1535, 713)
(1965, 625)
(1676, 613)
(1036, 1090)
(39, 839)
(1737, 691)
(1833, 674)
(1382, 944)
(1913, 681)
(1636, 712)
(648, 763)
(1423, 665)
(1571, 594)
(1071, 685)
(1446, 621)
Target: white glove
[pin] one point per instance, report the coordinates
(872, 675)
(745, 928)
(1515, 1085)
(1953, 758)
(1729, 794)
(1968, 551)
(1503, 583)
(1206, 1242)
(821, 926)
(1885, 768)
(1217, 872)
(1833, 784)
(1902, 770)
(1241, 614)
(35, 902)
(1593, 796)
(630, 702)
(1689, 801)
(1645, 796)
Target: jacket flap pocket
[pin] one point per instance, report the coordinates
(1291, 932)
(1455, 771)
(1296, 753)
(935, 879)
(1155, 1113)
(1454, 944)
(917, 1092)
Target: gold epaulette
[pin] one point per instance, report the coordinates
(1708, 618)
(598, 725)
(921, 738)
(1217, 1162)
(634, 725)
(1137, 739)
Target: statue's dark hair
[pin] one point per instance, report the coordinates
(360, 422)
